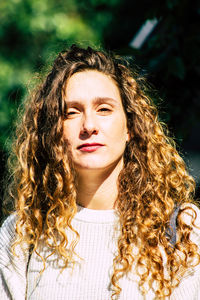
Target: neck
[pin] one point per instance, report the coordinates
(98, 189)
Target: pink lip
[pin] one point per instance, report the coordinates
(89, 147)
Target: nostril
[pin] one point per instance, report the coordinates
(86, 132)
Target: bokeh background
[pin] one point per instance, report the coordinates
(167, 50)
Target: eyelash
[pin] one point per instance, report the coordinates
(71, 112)
(104, 109)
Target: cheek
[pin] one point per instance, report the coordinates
(67, 138)
(120, 131)
(67, 132)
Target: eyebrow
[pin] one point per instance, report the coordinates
(96, 100)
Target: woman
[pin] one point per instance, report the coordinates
(103, 203)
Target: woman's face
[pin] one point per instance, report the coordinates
(95, 128)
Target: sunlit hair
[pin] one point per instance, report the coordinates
(152, 183)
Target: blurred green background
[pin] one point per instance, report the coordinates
(32, 31)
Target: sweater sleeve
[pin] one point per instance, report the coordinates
(12, 267)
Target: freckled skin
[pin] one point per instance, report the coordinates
(94, 115)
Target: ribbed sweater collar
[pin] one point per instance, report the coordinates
(95, 216)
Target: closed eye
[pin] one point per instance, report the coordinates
(104, 110)
(72, 113)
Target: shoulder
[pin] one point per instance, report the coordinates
(7, 232)
(12, 265)
(7, 238)
(9, 222)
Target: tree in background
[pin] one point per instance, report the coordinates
(32, 31)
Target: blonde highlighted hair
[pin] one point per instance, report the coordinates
(153, 181)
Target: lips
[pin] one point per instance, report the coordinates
(89, 147)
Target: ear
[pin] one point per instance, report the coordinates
(128, 137)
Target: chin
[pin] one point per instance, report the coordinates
(90, 167)
(94, 166)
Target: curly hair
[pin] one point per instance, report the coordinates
(151, 184)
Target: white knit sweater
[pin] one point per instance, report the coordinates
(89, 279)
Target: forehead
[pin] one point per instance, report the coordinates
(90, 85)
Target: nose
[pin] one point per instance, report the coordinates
(89, 125)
